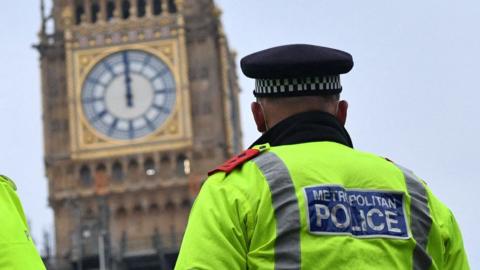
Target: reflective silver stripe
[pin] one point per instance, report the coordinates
(287, 213)
(420, 219)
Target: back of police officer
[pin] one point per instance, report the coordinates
(302, 198)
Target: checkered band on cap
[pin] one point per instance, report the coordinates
(298, 87)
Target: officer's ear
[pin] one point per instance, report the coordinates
(258, 116)
(342, 112)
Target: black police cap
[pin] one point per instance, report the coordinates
(297, 70)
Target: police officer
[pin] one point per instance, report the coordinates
(17, 250)
(302, 198)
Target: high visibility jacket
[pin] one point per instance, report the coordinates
(319, 205)
(17, 250)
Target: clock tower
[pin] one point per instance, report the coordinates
(140, 100)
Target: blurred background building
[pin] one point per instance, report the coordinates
(140, 100)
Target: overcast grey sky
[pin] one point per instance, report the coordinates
(413, 91)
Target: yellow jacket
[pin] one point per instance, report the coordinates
(17, 250)
(319, 205)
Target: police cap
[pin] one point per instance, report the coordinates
(297, 70)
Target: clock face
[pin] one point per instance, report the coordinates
(128, 95)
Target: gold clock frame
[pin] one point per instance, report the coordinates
(174, 133)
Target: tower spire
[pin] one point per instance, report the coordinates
(42, 11)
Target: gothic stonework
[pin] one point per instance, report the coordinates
(132, 195)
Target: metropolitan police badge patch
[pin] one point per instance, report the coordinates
(334, 210)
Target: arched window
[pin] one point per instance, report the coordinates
(95, 8)
(186, 203)
(165, 160)
(172, 7)
(89, 213)
(79, 11)
(149, 167)
(121, 212)
(86, 175)
(133, 165)
(138, 209)
(153, 208)
(141, 8)
(110, 10)
(101, 168)
(170, 206)
(132, 169)
(157, 7)
(125, 9)
(180, 165)
(100, 177)
(117, 171)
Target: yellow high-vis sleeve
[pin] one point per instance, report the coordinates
(17, 250)
(216, 232)
(455, 256)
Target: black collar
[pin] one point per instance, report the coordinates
(305, 127)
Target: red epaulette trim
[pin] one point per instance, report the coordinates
(236, 161)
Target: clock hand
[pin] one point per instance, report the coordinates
(128, 81)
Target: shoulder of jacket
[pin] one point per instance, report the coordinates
(240, 159)
(9, 181)
(406, 171)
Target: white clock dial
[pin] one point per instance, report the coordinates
(128, 95)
